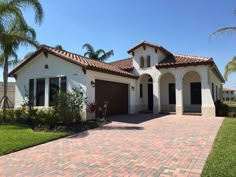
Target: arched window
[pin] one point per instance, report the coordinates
(141, 62)
(148, 61)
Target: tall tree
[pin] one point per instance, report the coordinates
(14, 32)
(99, 54)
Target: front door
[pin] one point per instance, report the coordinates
(150, 97)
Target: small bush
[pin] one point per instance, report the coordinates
(46, 118)
(68, 107)
(221, 108)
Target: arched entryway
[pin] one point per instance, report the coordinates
(192, 97)
(146, 93)
(167, 93)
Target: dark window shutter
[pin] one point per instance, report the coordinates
(31, 92)
(63, 84)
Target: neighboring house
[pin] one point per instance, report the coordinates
(10, 92)
(228, 94)
(152, 80)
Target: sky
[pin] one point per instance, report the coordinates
(181, 26)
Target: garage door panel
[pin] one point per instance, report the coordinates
(115, 93)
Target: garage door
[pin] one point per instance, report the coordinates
(116, 94)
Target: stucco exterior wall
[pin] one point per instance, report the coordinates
(56, 67)
(215, 80)
(207, 107)
(187, 80)
(165, 80)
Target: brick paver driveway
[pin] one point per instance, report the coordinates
(164, 146)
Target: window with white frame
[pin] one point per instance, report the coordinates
(37, 92)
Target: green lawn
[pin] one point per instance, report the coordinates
(222, 159)
(16, 137)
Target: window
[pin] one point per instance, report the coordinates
(232, 99)
(148, 61)
(141, 91)
(142, 62)
(55, 84)
(31, 92)
(172, 98)
(53, 90)
(227, 99)
(232, 92)
(213, 93)
(224, 99)
(216, 93)
(40, 92)
(63, 84)
(195, 90)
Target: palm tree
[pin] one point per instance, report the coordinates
(10, 42)
(14, 32)
(99, 54)
(231, 66)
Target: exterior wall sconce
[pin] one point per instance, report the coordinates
(46, 66)
(92, 83)
(132, 88)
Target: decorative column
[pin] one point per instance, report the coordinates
(179, 94)
(208, 106)
(155, 96)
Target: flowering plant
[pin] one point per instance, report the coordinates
(91, 107)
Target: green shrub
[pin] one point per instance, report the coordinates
(68, 106)
(46, 118)
(9, 115)
(21, 115)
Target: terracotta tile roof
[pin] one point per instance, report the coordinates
(176, 60)
(124, 64)
(82, 61)
(144, 43)
(227, 90)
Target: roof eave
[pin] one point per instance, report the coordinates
(183, 65)
(146, 44)
(112, 72)
(41, 49)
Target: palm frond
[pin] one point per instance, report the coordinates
(34, 4)
(88, 47)
(229, 68)
(106, 55)
(222, 31)
(100, 52)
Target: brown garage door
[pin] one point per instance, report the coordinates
(115, 93)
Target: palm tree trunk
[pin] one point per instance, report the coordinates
(5, 84)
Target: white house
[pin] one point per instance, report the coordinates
(228, 94)
(151, 80)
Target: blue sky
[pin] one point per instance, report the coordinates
(180, 26)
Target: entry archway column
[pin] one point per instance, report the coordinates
(179, 94)
(155, 97)
(208, 106)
